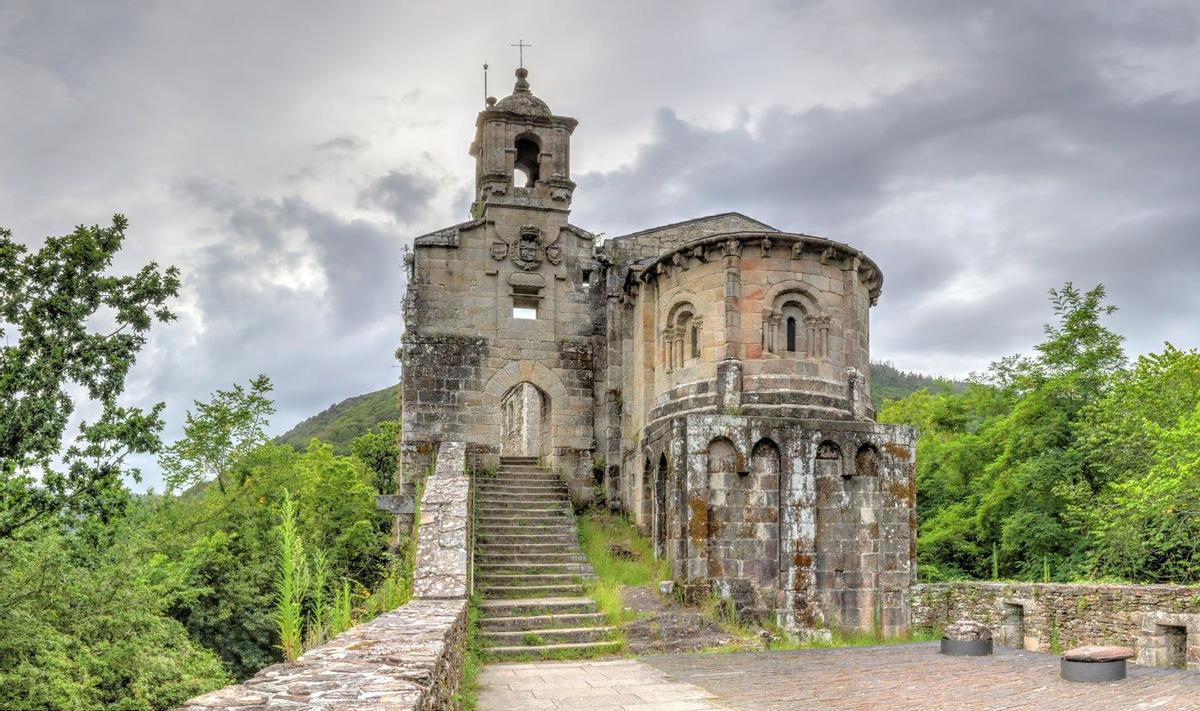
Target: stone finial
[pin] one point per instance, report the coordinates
(967, 631)
(522, 86)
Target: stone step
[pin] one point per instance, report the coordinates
(555, 650)
(520, 537)
(528, 488)
(522, 623)
(548, 509)
(569, 557)
(530, 478)
(514, 507)
(510, 458)
(488, 570)
(518, 500)
(536, 606)
(516, 591)
(542, 637)
(529, 551)
(488, 581)
(539, 523)
(492, 493)
(525, 472)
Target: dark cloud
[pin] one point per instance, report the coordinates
(1022, 163)
(402, 195)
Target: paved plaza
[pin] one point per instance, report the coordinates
(895, 678)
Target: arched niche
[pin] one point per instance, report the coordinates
(660, 507)
(722, 457)
(764, 458)
(867, 460)
(828, 461)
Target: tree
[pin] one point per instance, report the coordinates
(998, 466)
(218, 434)
(51, 300)
(379, 450)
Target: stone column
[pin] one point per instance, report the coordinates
(732, 258)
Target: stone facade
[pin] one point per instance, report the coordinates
(710, 377)
(1161, 622)
(407, 659)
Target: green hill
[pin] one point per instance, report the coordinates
(341, 423)
(889, 383)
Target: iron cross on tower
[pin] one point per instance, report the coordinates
(520, 45)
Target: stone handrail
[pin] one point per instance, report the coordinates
(409, 658)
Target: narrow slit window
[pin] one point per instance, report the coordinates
(587, 278)
(791, 334)
(695, 342)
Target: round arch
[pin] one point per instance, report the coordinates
(564, 407)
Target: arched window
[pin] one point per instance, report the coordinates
(791, 334)
(681, 336)
(525, 165)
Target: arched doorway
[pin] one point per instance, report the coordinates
(525, 421)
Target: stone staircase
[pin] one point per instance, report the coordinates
(530, 570)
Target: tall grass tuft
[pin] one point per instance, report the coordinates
(318, 624)
(341, 612)
(291, 582)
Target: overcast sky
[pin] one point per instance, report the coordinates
(282, 153)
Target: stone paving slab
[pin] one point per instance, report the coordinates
(915, 676)
(619, 685)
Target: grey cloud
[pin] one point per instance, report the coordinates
(403, 195)
(1079, 181)
(344, 145)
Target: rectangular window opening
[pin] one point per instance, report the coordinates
(525, 307)
(587, 278)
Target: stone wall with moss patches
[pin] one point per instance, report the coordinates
(1161, 622)
(410, 658)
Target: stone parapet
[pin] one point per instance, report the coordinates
(410, 658)
(1162, 622)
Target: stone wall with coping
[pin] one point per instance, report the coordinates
(410, 658)
(1161, 622)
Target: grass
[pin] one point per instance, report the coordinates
(472, 659)
(598, 530)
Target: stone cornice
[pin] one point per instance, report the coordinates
(796, 245)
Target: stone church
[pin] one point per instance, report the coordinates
(707, 378)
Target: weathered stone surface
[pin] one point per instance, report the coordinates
(718, 367)
(410, 658)
(1095, 653)
(1160, 622)
(443, 564)
(967, 631)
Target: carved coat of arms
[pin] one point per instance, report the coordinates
(528, 252)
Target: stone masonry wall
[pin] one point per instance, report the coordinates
(410, 658)
(1161, 622)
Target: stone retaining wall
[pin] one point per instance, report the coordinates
(1161, 622)
(410, 658)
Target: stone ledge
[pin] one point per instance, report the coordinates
(399, 660)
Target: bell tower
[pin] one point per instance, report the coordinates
(522, 154)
